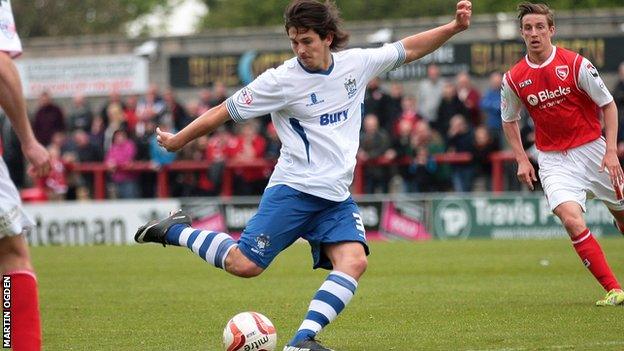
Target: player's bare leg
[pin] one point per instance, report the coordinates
(15, 263)
(590, 252)
(216, 248)
(618, 219)
(238, 264)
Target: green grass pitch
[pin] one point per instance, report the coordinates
(474, 295)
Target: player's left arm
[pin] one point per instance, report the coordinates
(610, 160)
(421, 44)
(590, 82)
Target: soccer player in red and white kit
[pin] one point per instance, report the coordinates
(14, 257)
(564, 96)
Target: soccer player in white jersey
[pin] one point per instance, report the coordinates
(315, 100)
(563, 92)
(14, 257)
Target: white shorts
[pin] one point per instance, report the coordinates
(573, 175)
(13, 219)
(9, 40)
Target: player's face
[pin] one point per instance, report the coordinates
(537, 33)
(312, 51)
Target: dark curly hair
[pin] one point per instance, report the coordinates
(322, 17)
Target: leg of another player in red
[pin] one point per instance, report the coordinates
(590, 252)
(25, 320)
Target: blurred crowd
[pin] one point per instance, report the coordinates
(401, 132)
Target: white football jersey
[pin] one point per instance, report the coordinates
(317, 116)
(9, 40)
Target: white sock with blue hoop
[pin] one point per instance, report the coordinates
(329, 301)
(212, 247)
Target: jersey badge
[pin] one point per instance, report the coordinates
(562, 72)
(314, 100)
(246, 96)
(592, 70)
(526, 83)
(350, 86)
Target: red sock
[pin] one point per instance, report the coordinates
(25, 321)
(594, 259)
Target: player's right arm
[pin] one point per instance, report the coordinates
(13, 104)
(202, 125)
(262, 96)
(510, 113)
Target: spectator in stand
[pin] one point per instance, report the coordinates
(618, 97)
(219, 94)
(376, 101)
(130, 113)
(147, 180)
(193, 183)
(490, 104)
(205, 102)
(484, 146)
(82, 149)
(248, 146)
(121, 153)
(421, 172)
(149, 108)
(174, 115)
(158, 155)
(430, 94)
(216, 152)
(401, 149)
(49, 119)
(116, 121)
(113, 99)
(55, 183)
(96, 136)
(81, 115)
(394, 108)
(470, 97)
(449, 107)
(460, 139)
(374, 142)
(409, 108)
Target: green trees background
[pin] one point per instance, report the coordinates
(79, 17)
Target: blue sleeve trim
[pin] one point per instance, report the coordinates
(233, 111)
(402, 55)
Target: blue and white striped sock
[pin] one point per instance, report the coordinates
(329, 301)
(213, 247)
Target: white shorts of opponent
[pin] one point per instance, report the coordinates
(13, 219)
(574, 175)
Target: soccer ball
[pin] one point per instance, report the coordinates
(249, 331)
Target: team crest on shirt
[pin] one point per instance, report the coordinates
(562, 72)
(351, 86)
(7, 28)
(245, 96)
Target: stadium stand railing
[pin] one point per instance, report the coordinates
(99, 171)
